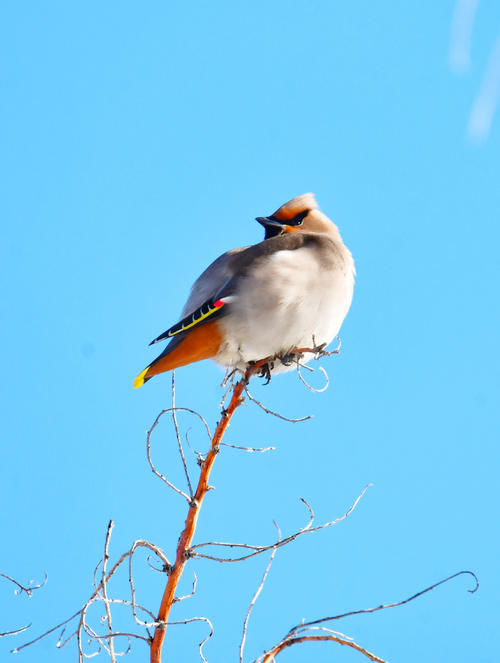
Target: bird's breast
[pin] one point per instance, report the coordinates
(288, 299)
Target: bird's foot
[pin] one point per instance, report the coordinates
(265, 371)
(289, 358)
(262, 368)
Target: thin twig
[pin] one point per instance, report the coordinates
(256, 596)
(275, 414)
(132, 592)
(271, 655)
(28, 590)
(137, 606)
(301, 633)
(388, 605)
(15, 631)
(192, 592)
(181, 450)
(119, 634)
(249, 449)
(94, 597)
(105, 589)
(258, 550)
(325, 630)
(197, 619)
(40, 637)
(228, 380)
(151, 464)
(21, 588)
(310, 387)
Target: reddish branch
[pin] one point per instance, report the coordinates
(183, 547)
(302, 633)
(271, 655)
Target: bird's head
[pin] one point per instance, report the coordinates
(301, 214)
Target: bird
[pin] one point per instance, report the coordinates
(291, 290)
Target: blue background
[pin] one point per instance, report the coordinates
(139, 142)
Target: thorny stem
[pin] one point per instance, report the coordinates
(202, 488)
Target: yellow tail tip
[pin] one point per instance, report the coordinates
(140, 379)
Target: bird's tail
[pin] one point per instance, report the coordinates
(201, 343)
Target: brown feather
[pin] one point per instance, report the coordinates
(201, 343)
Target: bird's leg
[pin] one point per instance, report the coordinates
(265, 371)
(289, 358)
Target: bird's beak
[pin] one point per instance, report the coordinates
(272, 227)
(266, 222)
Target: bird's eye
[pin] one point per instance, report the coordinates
(299, 219)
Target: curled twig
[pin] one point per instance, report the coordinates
(275, 414)
(190, 621)
(303, 631)
(98, 595)
(150, 461)
(191, 593)
(256, 595)
(161, 476)
(386, 606)
(310, 387)
(258, 550)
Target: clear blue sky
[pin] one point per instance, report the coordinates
(139, 142)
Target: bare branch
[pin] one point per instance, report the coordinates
(270, 656)
(275, 414)
(118, 634)
(249, 449)
(28, 590)
(302, 632)
(21, 588)
(388, 605)
(228, 380)
(187, 534)
(319, 350)
(256, 596)
(105, 589)
(196, 619)
(310, 387)
(181, 450)
(151, 464)
(52, 630)
(188, 596)
(132, 590)
(15, 631)
(96, 596)
(137, 606)
(258, 550)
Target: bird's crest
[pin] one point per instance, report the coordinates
(293, 207)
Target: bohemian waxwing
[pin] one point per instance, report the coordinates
(289, 291)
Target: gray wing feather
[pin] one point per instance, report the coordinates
(222, 276)
(211, 281)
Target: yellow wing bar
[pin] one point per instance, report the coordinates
(202, 313)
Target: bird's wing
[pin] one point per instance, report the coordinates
(208, 311)
(203, 303)
(218, 285)
(211, 281)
